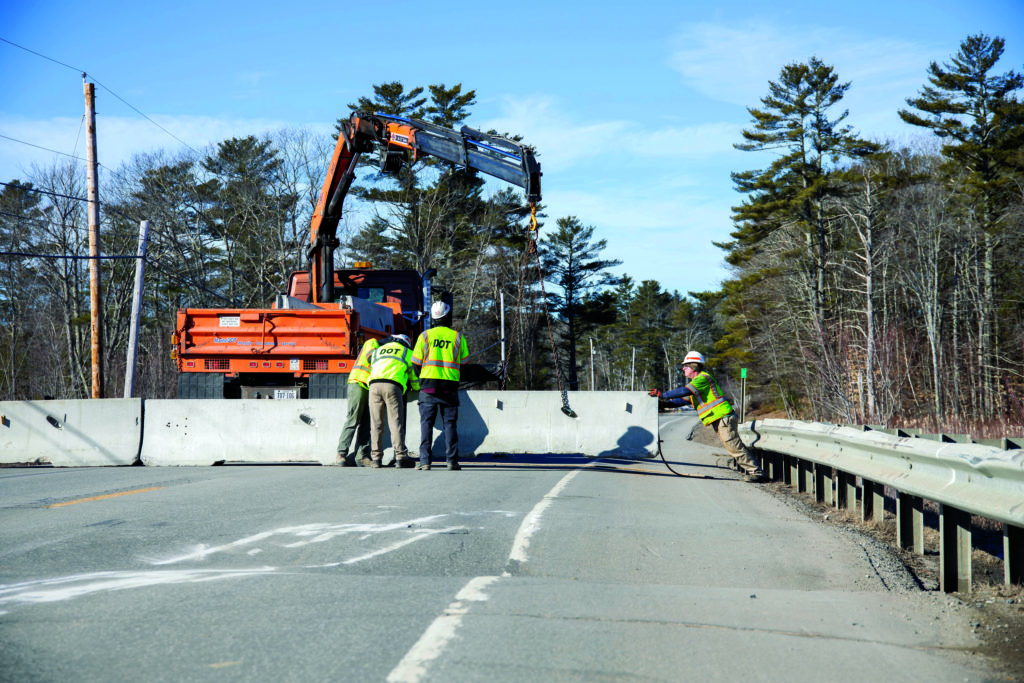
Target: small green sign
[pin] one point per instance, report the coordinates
(743, 373)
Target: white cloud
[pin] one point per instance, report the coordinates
(733, 63)
(565, 141)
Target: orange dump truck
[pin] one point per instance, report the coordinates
(295, 349)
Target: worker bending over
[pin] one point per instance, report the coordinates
(714, 411)
(357, 421)
(440, 352)
(392, 374)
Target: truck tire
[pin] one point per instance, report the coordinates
(328, 385)
(200, 385)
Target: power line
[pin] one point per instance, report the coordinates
(37, 54)
(45, 149)
(65, 256)
(97, 82)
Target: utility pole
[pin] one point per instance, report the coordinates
(133, 337)
(94, 241)
(592, 386)
(632, 369)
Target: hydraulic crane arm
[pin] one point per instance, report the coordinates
(397, 139)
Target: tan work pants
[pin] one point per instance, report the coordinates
(726, 428)
(387, 404)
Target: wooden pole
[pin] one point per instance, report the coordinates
(94, 241)
(133, 336)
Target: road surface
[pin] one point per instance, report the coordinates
(519, 568)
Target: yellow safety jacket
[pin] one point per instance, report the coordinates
(392, 362)
(361, 370)
(707, 398)
(439, 352)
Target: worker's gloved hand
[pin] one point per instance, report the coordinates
(654, 392)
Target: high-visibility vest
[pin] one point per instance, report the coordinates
(707, 398)
(439, 352)
(361, 370)
(393, 362)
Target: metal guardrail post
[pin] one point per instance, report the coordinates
(1013, 554)
(910, 522)
(954, 550)
(823, 484)
(872, 496)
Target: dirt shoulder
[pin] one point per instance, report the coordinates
(994, 610)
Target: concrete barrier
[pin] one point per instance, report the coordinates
(204, 432)
(208, 431)
(619, 423)
(74, 433)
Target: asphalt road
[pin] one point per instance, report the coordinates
(519, 568)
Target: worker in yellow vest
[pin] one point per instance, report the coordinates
(439, 353)
(357, 422)
(714, 411)
(392, 375)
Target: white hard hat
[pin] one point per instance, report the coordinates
(694, 357)
(439, 310)
(404, 339)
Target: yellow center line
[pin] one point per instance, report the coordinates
(109, 495)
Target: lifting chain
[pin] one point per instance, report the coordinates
(531, 248)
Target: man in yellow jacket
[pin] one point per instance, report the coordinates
(439, 353)
(392, 374)
(357, 422)
(714, 411)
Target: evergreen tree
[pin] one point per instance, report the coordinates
(981, 123)
(248, 216)
(571, 263)
(20, 213)
(796, 121)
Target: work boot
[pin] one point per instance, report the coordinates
(454, 466)
(404, 463)
(348, 462)
(365, 461)
(376, 463)
(423, 466)
(755, 477)
(339, 458)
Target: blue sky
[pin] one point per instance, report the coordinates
(634, 108)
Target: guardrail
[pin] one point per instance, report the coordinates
(963, 478)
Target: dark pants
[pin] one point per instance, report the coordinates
(357, 424)
(429, 408)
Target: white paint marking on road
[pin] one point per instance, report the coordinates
(306, 533)
(441, 631)
(414, 664)
(420, 535)
(67, 587)
(531, 523)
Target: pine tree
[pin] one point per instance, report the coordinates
(571, 263)
(981, 123)
(796, 121)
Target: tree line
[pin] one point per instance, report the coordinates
(869, 282)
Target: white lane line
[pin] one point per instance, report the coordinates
(441, 631)
(431, 644)
(531, 523)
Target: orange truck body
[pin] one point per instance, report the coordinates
(283, 352)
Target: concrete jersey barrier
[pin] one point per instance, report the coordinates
(209, 431)
(73, 433)
(203, 432)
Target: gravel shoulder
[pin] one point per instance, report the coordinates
(994, 611)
